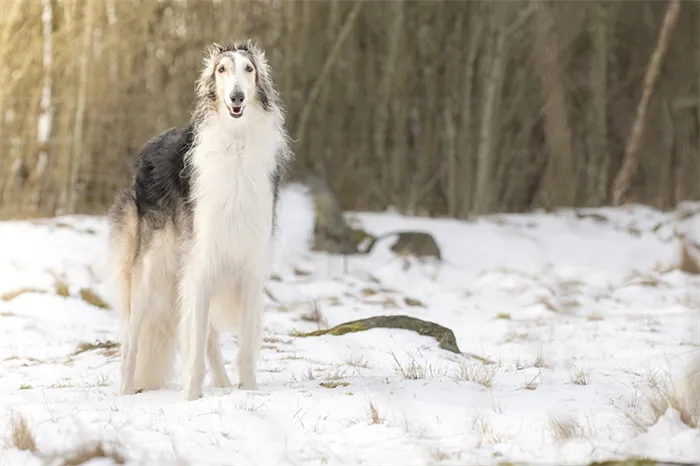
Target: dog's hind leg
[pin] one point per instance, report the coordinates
(151, 335)
(126, 269)
(157, 340)
(130, 337)
(249, 330)
(159, 326)
(216, 360)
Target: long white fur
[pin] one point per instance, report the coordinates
(148, 294)
(229, 257)
(151, 316)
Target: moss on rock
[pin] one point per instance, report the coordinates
(409, 243)
(417, 244)
(359, 235)
(627, 462)
(444, 336)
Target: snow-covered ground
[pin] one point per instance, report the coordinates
(580, 321)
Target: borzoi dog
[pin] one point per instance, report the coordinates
(191, 238)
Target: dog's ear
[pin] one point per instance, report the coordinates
(260, 59)
(204, 84)
(212, 50)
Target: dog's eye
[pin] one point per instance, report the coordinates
(249, 68)
(221, 69)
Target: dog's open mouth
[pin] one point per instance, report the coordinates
(236, 112)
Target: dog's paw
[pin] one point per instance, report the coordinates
(192, 393)
(127, 389)
(248, 385)
(222, 382)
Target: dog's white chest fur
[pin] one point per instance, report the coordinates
(233, 195)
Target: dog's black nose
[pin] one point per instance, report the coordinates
(237, 98)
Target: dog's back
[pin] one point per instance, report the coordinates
(159, 194)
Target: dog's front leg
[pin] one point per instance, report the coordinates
(195, 296)
(216, 360)
(250, 331)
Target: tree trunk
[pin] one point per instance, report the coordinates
(486, 153)
(465, 144)
(76, 155)
(597, 115)
(386, 86)
(559, 180)
(623, 180)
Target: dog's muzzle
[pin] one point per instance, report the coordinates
(236, 109)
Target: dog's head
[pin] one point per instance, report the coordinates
(236, 79)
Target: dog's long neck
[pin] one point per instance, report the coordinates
(232, 189)
(228, 151)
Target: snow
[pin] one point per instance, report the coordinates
(578, 313)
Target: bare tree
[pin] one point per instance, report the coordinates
(623, 180)
(436, 107)
(494, 80)
(598, 163)
(464, 145)
(381, 125)
(559, 180)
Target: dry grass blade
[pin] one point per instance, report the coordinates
(91, 297)
(374, 416)
(10, 295)
(106, 345)
(88, 452)
(579, 377)
(413, 302)
(531, 384)
(563, 429)
(21, 436)
(662, 396)
(359, 362)
(61, 288)
(477, 373)
(315, 316)
(412, 371)
(539, 362)
(333, 384)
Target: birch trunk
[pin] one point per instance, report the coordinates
(486, 152)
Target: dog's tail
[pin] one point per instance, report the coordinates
(123, 248)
